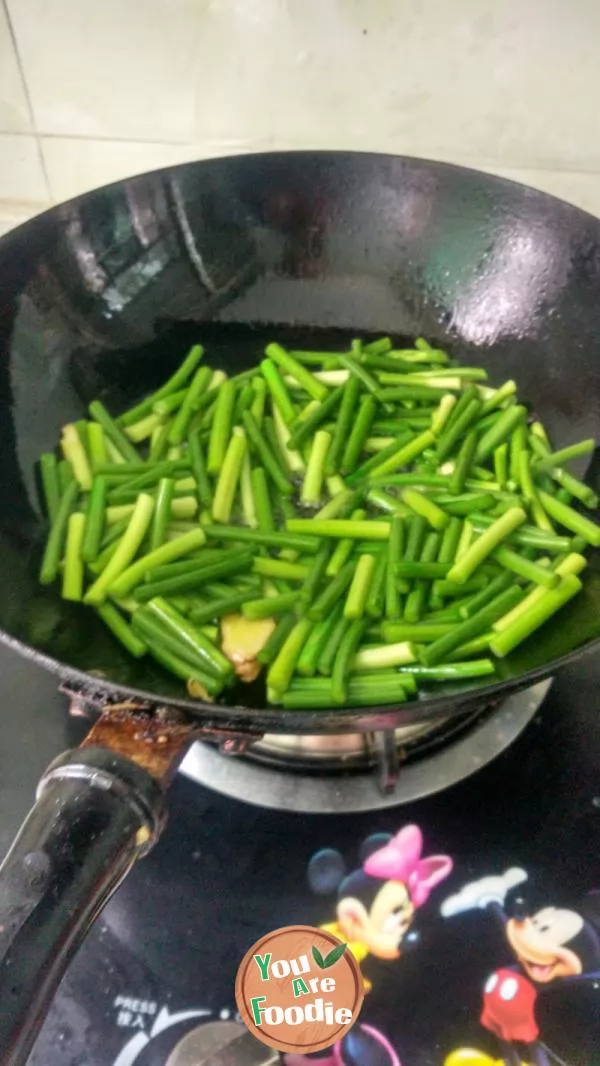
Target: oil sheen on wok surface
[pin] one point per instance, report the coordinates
(101, 297)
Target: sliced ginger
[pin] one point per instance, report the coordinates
(242, 639)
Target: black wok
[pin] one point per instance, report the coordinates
(100, 298)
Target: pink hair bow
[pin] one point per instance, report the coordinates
(400, 860)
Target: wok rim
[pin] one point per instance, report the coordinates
(55, 209)
(223, 719)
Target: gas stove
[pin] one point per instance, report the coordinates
(498, 963)
(365, 771)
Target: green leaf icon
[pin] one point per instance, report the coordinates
(316, 954)
(335, 954)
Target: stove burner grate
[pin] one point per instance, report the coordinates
(345, 773)
(357, 752)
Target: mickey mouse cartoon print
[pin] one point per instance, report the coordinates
(377, 902)
(551, 947)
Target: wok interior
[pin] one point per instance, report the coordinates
(102, 298)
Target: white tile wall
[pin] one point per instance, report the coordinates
(14, 109)
(117, 88)
(111, 69)
(21, 174)
(74, 164)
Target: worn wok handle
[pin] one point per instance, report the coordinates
(96, 813)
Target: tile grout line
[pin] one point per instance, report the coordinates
(236, 142)
(28, 99)
(260, 144)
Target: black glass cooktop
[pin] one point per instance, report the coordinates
(489, 954)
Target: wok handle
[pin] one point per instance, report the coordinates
(96, 813)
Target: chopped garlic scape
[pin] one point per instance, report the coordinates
(242, 639)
